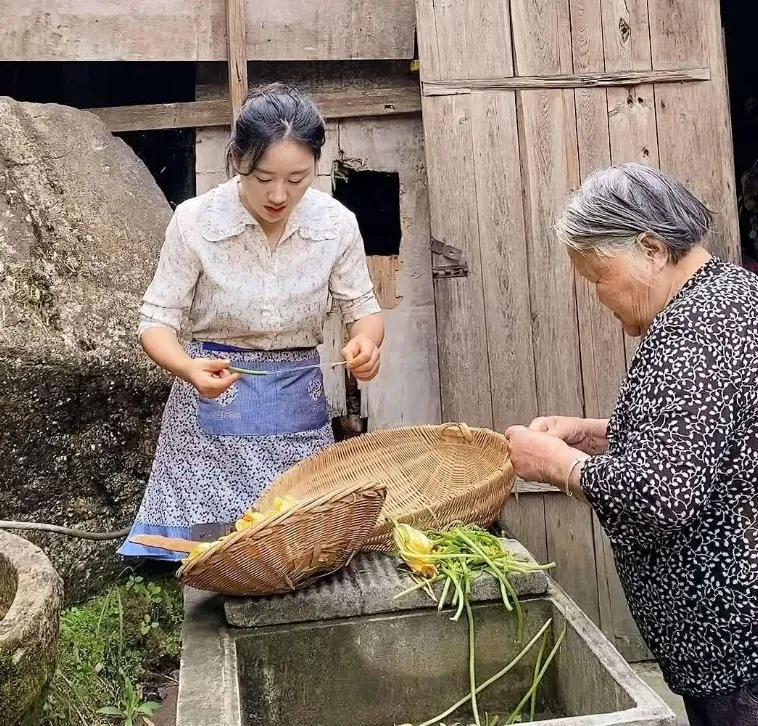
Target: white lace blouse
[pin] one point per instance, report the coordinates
(218, 279)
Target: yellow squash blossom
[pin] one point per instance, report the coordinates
(252, 516)
(248, 519)
(414, 548)
(281, 504)
(202, 547)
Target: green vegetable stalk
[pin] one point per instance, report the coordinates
(456, 557)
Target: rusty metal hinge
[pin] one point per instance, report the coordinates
(449, 252)
(446, 250)
(450, 271)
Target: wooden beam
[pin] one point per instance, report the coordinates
(566, 80)
(153, 117)
(157, 116)
(193, 30)
(236, 54)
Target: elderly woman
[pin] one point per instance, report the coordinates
(673, 476)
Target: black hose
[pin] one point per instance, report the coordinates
(57, 529)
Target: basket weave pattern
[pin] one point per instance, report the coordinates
(313, 538)
(434, 475)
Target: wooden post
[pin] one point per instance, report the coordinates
(237, 54)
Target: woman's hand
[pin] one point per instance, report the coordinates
(584, 434)
(362, 356)
(210, 376)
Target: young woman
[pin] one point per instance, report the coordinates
(249, 271)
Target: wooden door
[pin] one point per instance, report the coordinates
(521, 101)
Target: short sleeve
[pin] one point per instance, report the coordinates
(171, 292)
(350, 283)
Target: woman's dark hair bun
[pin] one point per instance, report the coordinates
(271, 114)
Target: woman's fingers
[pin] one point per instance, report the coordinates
(214, 364)
(213, 377)
(540, 424)
(362, 356)
(370, 369)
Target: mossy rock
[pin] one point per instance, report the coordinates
(32, 593)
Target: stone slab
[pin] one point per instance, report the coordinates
(367, 586)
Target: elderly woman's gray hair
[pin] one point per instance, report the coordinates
(615, 206)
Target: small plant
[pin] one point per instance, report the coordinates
(132, 710)
(115, 651)
(150, 591)
(148, 624)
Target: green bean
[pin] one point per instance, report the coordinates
(418, 586)
(533, 700)
(536, 682)
(490, 681)
(443, 596)
(472, 664)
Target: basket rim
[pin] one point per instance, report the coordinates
(281, 517)
(467, 433)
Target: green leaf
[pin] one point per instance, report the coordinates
(148, 708)
(110, 711)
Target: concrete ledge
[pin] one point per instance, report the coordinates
(208, 691)
(365, 587)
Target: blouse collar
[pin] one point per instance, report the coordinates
(316, 217)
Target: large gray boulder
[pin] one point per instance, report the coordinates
(81, 224)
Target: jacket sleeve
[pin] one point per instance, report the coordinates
(664, 468)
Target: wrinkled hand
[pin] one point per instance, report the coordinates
(210, 376)
(571, 429)
(538, 456)
(362, 356)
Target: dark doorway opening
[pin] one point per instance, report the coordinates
(374, 198)
(740, 21)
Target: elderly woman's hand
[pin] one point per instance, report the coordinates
(536, 455)
(584, 434)
(540, 457)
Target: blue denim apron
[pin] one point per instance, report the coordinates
(283, 402)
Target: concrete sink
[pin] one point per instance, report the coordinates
(346, 653)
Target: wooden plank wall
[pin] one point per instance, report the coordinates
(195, 30)
(407, 390)
(563, 348)
(694, 130)
(486, 364)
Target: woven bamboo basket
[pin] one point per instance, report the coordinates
(315, 537)
(434, 475)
